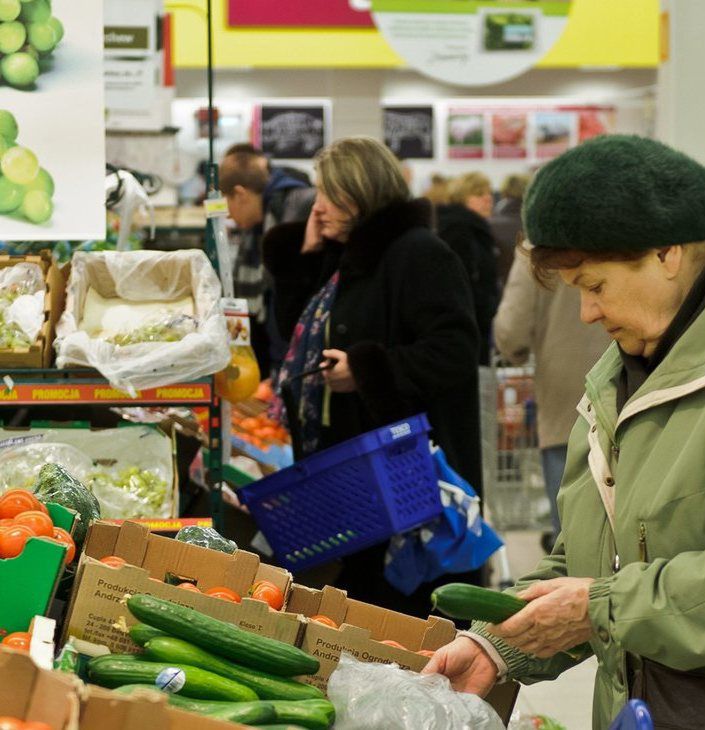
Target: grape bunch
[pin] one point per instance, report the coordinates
(25, 187)
(28, 34)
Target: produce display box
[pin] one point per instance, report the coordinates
(30, 580)
(40, 353)
(141, 445)
(97, 611)
(105, 710)
(362, 628)
(30, 693)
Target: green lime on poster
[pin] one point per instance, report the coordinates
(471, 42)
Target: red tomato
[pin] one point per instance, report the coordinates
(266, 591)
(36, 726)
(113, 561)
(324, 620)
(390, 642)
(13, 540)
(189, 587)
(63, 537)
(37, 521)
(226, 594)
(15, 501)
(11, 723)
(426, 652)
(6, 522)
(19, 640)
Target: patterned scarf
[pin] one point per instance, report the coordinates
(305, 353)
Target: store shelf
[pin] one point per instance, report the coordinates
(157, 524)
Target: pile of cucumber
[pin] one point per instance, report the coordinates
(215, 669)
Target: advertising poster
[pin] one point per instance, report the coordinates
(509, 136)
(471, 43)
(299, 13)
(408, 131)
(555, 132)
(466, 134)
(291, 132)
(52, 134)
(594, 121)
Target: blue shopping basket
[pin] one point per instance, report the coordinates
(348, 497)
(634, 716)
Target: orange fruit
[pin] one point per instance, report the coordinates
(113, 561)
(13, 539)
(37, 521)
(189, 587)
(19, 640)
(321, 619)
(395, 644)
(224, 593)
(266, 591)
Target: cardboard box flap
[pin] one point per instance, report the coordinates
(307, 601)
(23, 672)
(440, 631)
(180, 720)
(101, 539)
(131, 543)
(104, 710)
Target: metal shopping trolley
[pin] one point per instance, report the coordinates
(514, 490)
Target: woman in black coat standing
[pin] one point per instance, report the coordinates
(364, 284)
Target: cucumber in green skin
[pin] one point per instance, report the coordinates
(268, 687)
(142, 633)
(124, 669)
(463, 601)
(314, 714)
(221, 638)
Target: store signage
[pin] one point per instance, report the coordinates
(122, 38)
(299, 13)
(471, 42)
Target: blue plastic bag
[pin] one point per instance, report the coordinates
(457, 541)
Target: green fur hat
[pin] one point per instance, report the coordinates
(617, 193)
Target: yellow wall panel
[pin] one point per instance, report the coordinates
(599, 33)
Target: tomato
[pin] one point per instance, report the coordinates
(113, 561)
(42, 508)
(426, 652)
(37, 521)
(63, 537)
(19, 640)
(266, 591)
(226, 594)
(36, 726)
(6, 522)
(324, 620)
(15, 501)
(13, 540)
(189, 587)
(395, 644)
(11, 723)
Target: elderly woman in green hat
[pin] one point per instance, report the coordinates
(622, 219)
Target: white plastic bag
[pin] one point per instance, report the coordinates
(145, 276)
(22, 458)
(385, 697)
(22, 293)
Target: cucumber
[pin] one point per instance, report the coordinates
(142, 633)
(167, 649)
(221, 638)
(199, 683)
(459, 600)
(314, 714)
(280, 727)
(247, 713)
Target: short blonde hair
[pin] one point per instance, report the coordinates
(472, 183)
(437, 191)
(514, 186)
(363, 172)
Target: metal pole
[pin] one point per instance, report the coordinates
(211, 134)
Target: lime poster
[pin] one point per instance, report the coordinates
(471, 42)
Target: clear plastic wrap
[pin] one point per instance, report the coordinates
(385, 697)
(206, 537)
(145, 276)
(22, 292)
(20, 464)
(164, 326)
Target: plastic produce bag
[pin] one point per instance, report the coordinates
(21, 463)
(22, 292)
(139, 277)
(385, 697)
(206, 537)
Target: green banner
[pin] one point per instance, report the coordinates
(547, 7)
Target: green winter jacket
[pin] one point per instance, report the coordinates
(648, 598)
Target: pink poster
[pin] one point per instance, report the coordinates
(594, 121)
(297, 13)
(509, 136)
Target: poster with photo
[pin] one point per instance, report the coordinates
(291, 132)
(52, 132)
(299, 13)
(555, 132)
(466, 134)
(408, 131)
(594, 121)
(509, 132)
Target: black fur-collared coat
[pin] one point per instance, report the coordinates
(404, 314)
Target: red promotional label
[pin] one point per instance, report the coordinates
(297, 13)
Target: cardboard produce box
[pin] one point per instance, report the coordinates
(98, 612)
(29, 581)
(40, 353)
(30, 693)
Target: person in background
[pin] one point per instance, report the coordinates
(505, 222)
(260, 196)
(622, 219)
(545, 321)
(463, 225)
(437, 191)
(366, 288)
